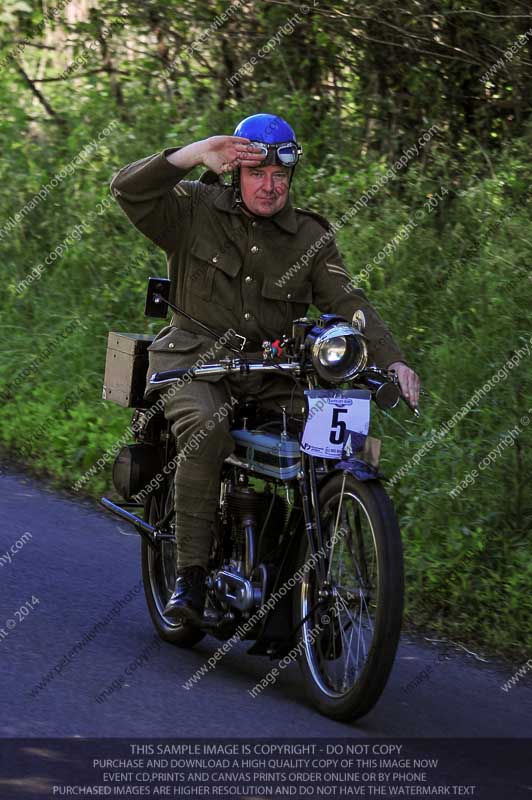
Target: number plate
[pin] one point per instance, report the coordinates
(334, 417)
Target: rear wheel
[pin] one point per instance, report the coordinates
(350, 622)
(159, 576)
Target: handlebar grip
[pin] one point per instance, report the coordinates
(171, 374)
(385, 393)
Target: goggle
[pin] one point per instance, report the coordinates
(286, 153)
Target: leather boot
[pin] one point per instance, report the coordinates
(188, 599)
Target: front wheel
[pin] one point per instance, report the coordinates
(349, 613)
(159, 577)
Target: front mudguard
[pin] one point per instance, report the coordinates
(360, 470)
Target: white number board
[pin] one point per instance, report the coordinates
(332, 416)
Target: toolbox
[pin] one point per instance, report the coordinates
(126, 365)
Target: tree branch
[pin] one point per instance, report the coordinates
(42, 100)
(27, 43)
(81, 75)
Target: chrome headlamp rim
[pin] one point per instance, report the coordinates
(336, 331)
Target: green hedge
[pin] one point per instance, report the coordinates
(456, 292)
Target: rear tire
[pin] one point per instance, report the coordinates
(158, 576)
(364, 604)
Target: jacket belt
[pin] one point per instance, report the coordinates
(184, 324)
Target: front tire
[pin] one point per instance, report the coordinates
(348, 642)
(159, 576)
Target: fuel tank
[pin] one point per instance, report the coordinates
(267, 453)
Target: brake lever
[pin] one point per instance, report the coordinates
(414, 409)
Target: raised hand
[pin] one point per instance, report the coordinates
(225, 153)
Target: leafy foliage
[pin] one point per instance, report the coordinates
(361, 82)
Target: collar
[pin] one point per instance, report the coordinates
(285, 218)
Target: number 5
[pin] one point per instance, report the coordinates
(337, 436)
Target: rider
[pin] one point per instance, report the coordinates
(241, 258)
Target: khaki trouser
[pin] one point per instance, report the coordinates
(203, 441)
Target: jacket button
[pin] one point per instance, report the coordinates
(247, 315)
(214, 259)
(171, 345)
(248, 279)
(289, 296)
(254, 249)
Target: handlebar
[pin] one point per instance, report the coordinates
(225, 366)
(382, 384)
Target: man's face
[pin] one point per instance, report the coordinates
(264, 190)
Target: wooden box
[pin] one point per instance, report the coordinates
(126, 366)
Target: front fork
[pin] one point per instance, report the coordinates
(308, 486)
(311, 508)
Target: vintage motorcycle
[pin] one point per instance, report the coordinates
(307, 556)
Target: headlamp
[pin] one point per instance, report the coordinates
(338, 352)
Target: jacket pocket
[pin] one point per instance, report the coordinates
(285, 303)
(173, 348)
(201, 271)
(213, 269)
(175, 340)
(298, 293)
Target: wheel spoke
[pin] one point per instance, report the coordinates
(352, 623)
(331, 556)
(347, 651)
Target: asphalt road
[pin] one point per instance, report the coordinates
(69, 575)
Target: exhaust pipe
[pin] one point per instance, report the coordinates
(147, 531)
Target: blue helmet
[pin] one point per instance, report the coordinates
(275, 134)
(265, 128)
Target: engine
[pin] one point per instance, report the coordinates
(258, 516)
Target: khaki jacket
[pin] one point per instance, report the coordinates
(232, 271)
